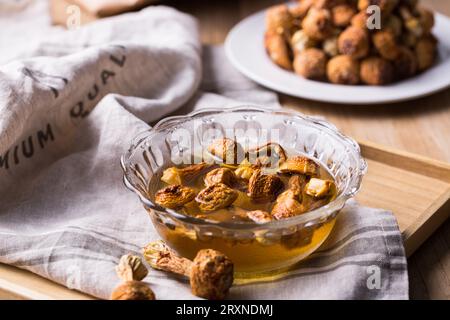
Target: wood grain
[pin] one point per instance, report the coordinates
(421, 126)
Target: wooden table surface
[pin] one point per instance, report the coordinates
(421, 126)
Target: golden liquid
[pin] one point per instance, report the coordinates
(256, 257)
(252, 258)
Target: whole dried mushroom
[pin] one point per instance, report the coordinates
(386, 44)
(263, 187)
(227, 150)
(215, 197)
(279, 19)
(174, 175)
(278, 49)
(376, 71)
(174, 196)
(210, 274)
(220, 175)
(354, 42)
(299, 165)
(318, 24)
(311, 64)
(133, 290)
(343, 69)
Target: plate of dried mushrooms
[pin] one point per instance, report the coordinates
(333, 50)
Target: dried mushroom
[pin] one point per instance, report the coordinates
(227, 150)
(131, 268)
(319, 188)
(174, 175)
(318, 24)
(343, 69)
(174, 196)
(354, 42)
(287, 206)
(268, 155)
(311, 64)
(214, 197)
(220, 175)
(263, 187)
(133, 290)
(386, 44)
(278, 49)
(259, 216)
(299, 165)
(279, 19)
(342, 15)
(210, 274)
(376, 71)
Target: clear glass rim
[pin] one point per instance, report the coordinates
(350, 190)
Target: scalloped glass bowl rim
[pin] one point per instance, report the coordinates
(325, 211)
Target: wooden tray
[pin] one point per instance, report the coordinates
(415, 188)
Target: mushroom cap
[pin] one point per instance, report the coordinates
(174, 196)
(354, 42)
(376, 71)
(263, 187)
(343, 69)
(220, 175)
(311, 64)
(215, 197)
(133, 290)
(211, 275)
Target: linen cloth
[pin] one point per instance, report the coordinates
(71, 102)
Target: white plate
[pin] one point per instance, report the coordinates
(245, 48)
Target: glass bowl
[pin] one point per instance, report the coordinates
(257, 250)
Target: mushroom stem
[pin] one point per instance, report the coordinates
(160, 256)
(210, 274)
